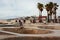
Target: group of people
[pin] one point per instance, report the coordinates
(32, 20)
(20, 23)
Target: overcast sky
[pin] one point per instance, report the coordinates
(18, 8)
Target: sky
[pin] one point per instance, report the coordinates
(20, 8)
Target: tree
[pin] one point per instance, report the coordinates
(55, 7)
(40, 7)
(49, 7)
(48, 13)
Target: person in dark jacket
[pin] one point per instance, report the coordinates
(34, 20)
(21, 24)
(16, 23)
(24, 20)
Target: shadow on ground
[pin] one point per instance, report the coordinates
(33, 38)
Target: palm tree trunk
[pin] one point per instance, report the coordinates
(48, 16)
(55, 18)
(40, 16)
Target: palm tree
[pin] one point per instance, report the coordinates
(49, 7)
(48, 13)
(54, 11)
(40, 7)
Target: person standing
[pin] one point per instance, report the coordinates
(21, 24)
(24, 21)
(31, 19)
(34, 20)
(16, 23)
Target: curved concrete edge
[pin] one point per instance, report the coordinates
(55, 34)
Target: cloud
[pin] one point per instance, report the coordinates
(15, 8)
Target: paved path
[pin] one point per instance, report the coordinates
(6, 36)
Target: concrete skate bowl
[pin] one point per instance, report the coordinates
(6, 25)
(33, 38)
(1, 33)
(27, 31)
